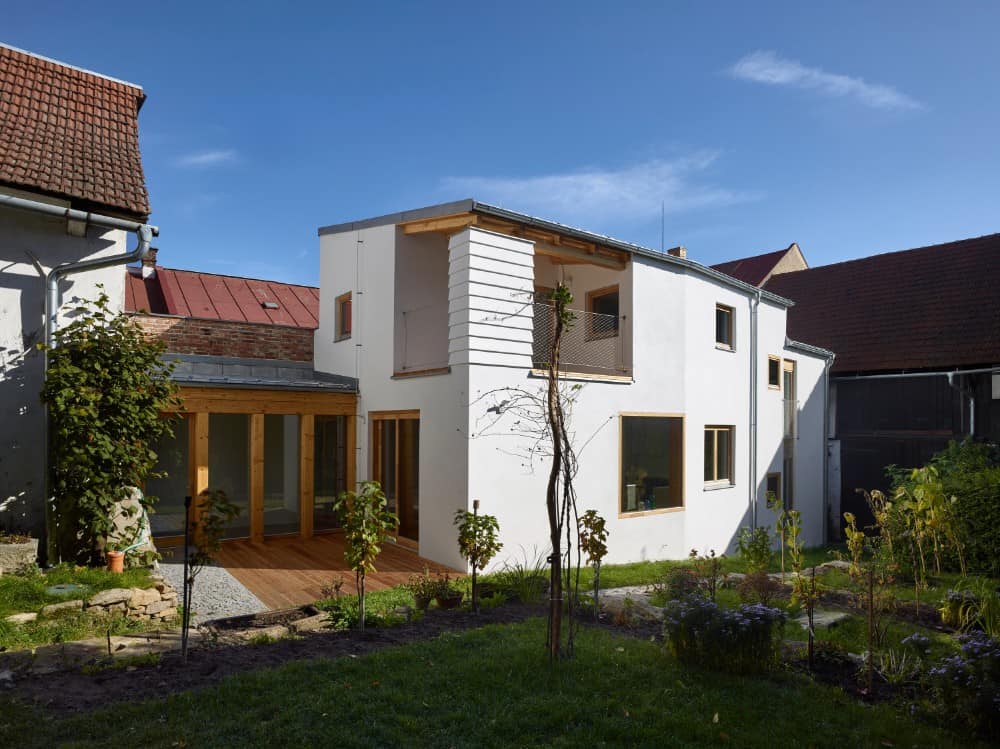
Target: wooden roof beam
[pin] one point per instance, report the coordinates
(445, 224)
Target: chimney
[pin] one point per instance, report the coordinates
(149, 264)
(679, 251)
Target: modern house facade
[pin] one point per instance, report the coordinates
(72, 194)
(692, 404)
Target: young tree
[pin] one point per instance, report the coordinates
(477, 542)
(367, 525)
(593, 542)
(106, 389)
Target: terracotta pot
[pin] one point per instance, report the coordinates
(116, 561)
(453, 601)
(422, 602)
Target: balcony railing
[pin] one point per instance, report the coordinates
(592, 344)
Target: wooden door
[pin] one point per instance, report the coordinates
(396, 466)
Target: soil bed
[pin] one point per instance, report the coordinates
(77, 691)
(263, 620)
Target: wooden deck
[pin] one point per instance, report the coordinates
(289, 571)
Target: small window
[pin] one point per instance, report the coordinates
(343, 316)
(774, 372)
(719, 454)
(603, 306)
(652, 463)
(772, 490)
(724, 326)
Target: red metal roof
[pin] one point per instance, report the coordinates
(70, 133)
(752, 270)
(208, 296)
(933, 307)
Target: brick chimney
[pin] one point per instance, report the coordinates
(149, 264)
(679, 251)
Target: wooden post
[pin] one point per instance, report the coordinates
(198, 477)
(257, 478)
(307, 442)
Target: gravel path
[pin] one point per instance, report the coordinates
(217, 594)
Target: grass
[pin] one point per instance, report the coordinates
(26, 593)
(490, 687)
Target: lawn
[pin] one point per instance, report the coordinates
(490, 687)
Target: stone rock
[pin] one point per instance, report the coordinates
(109, 597)
(158, 606)
(310, 624)
(822, 619)
(167, 614)
(14, 557)
(143, 597)
(170, 598)
(22, 618)
(130, 524)
(634, 605)
(835, 564)
(275, 631)
(56, 608)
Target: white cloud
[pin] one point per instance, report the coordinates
(767, 67)
(597, 195)
(202, 159)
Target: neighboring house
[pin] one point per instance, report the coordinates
(258, 422)
(758, 270)
(694, 403)
(71, 190)
(917, 336)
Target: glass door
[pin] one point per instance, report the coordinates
(396, 466)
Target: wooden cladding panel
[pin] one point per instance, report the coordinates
(247, 400)
(257, 477)
(307, 475)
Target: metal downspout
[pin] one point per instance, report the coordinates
(971, 394)
(826, 446)
(752, 474)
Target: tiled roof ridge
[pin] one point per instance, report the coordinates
(70, 66)
(880, 255)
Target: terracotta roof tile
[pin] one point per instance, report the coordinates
(927, 308)
(70, 133)
(752, 270)
(209, 296)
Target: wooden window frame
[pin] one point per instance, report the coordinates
(731, 346)
(591, 334)
(774, 385)
(715, 481)
(340, 318)
(624, 514)
(375, 451)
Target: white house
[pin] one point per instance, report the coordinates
(693, 404)
(72, 192)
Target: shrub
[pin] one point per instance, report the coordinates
(759, 587)
(754, 545)
(974, 604)
(742, 640)
(967, 685)
(680, 582)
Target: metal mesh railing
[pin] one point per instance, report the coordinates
(592, 343)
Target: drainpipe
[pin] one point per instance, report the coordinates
(752, 473)
(826, 446)
(144, 233)
(972, 401)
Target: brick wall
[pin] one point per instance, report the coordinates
(185, 335)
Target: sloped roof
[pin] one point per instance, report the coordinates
(208, 296)
(752, 270)
(934, 307)
(70, 133)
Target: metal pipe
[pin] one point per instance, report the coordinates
(971, 394)
(752, 477)
(827, 366)
(938, 373)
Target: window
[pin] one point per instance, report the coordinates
(719, 454)
(652, 457)
(774, 372)
(603, 306)
(343, 316)
(791, 404)
(773, 488)
(723, 326)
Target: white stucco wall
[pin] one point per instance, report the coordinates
(24, 236)
(467, 454)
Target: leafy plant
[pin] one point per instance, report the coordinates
(973, 604)
(524, 579)
(106, 389)
(367, 525)
(754, 546)
(708, 570)
(967, 685)
(593, 534)
(423, 588)
(478, 542)
(759, 587)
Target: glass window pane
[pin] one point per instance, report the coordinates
(229, 466)
(722, 326)
(773, 372)
(167, 518)
(723, 454)
(281, 473)
(709, 455)
(329, 469)
(651, 466)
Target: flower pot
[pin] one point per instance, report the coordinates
(116, 561)
(451, 601)
(422, 602)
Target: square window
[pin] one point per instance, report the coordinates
(602, 322)
(723, 326)
(774, 372)
(343, 315)
(719, 454)
(652, 469)
(772, 489)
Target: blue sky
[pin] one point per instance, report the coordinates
(851, 128)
